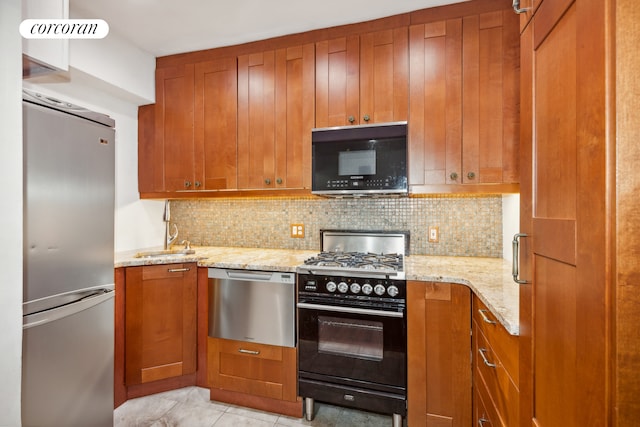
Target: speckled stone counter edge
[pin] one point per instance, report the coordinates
(489, 278)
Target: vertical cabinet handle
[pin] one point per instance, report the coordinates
(515, 247)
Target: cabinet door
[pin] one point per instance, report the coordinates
(275, 118)
(362, 79)
(256, 120)
(435, 139)
(464, 102)
(564, 309)
(150, 166)
(174, 125)
(439, 354)
(160, 322)
(384, 76)
(337, 82)
(216, 107)
(490, 132)
(294, 120)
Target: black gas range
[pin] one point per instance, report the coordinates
(351, 303)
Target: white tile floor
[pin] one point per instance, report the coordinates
(191, 407)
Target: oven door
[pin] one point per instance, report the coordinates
(353, 346)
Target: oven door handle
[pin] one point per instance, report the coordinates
(352, 310)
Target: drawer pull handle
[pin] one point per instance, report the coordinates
(482, 352)
(483, 421)
(178, 270)
(485, 319)
(254, 352)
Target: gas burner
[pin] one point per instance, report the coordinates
(357, 260)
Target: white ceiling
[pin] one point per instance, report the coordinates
(165, 27)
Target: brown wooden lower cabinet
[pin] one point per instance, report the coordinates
(495, 370)
(255, 375)
(156, 329)
(439, 354)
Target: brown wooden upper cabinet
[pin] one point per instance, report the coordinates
(362, 79)
(189, 142)
(464, 102)
(215, 124)
(275, 118)
(173, 142)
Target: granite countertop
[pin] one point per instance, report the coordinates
(489, 278)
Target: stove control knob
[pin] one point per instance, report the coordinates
(379, 289)
(343, 287)
(331, 286)
(392, 290)
(355, 288)
(367, 289)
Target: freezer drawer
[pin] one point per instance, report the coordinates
(67, 374)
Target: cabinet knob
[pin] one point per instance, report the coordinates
(267, 181)
(471, 175)
(453, 176)
(366, 118)
(351, 119)
(197, 184)
(279, 181)
(187, 184)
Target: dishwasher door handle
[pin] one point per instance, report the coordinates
(249, 275)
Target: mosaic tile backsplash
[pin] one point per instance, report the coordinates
(468, 225)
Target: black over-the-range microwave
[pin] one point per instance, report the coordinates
(365, 160)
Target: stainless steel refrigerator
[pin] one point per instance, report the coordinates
(68, 309)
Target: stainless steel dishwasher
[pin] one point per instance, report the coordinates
(252, 306)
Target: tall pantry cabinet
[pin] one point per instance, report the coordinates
(565, 212)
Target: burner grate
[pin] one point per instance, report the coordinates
(359, 260)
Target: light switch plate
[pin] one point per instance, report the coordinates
(297, 230)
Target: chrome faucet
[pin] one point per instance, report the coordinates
(168, 237)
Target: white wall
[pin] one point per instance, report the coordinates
(114, 77)
(10, 213)
(510, 222)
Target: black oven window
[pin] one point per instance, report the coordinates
(361, 339)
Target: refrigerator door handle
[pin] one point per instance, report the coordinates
(51, 315)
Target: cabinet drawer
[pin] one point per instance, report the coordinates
(254, 369)
(484, 413)
(503, 343)
(165, 271)
(490, 370)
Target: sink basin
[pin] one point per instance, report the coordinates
(165, 253)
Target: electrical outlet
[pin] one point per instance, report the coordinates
(297, 230)
(434, 234)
